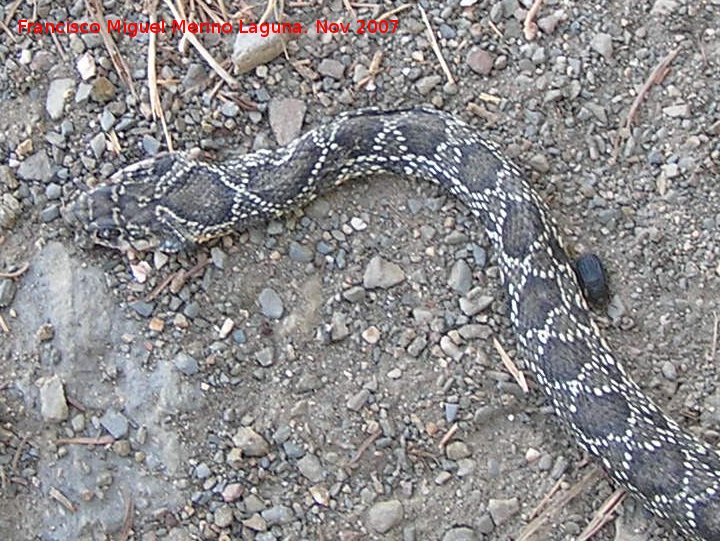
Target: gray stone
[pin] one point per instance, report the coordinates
(107, 120)
(502, 510)
(354, 294)
(142, 308)
(195, 77)
(310, 467)
(252, 50)
(460, 533)
(271, 304)
(219, 258)
(383, 274)
(677, 111)
(663, 8)
(150, 145)
(230, 109)
(358, 400)
(265, 357)
(460, 278)
(338, 327)
(49, 213)
(602, 43)
(98, 145)
(331, 68)
(286, 118)
(115, 423)
(426, 84)
(250, 442)
(300, 253)
(58, 92)
(53, 191)
(192, 309)
(53, 406)
(540, 163)
(186, 364)
(7, 292)
(277, 515)
(202, 471)
(475, 302)
(480, 61)
(455, 450)
(223, 516)
(384, 516)
(36, 167)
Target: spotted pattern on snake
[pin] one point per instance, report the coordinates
(173, 201)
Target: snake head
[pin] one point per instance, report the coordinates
(127, 213)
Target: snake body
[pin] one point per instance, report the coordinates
(173, 201)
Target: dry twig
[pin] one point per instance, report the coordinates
(656, 77)
(94, 7)
(155, 104)
(214, 64)
(511, 366)
(603, 515)
(436, 47)
(102, 440)
(364, 447)
(448, 435)
(14, 274)
(530, 529)
(393, 11)
(63, 500)
(530, 26)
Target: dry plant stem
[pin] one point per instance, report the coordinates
(155, 104)
(394, 11)
(530, 529)
(511, 366)
(14, 274)
(657, 75)
(436, 47)
(94, 7)
(605, 514)
(529, 26)
(224, 75)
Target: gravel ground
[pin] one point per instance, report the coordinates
(332, 375)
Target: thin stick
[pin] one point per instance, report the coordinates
(657, 75)
(529, 530)
(155, 105)
(229, 79)
(394, 11)
(102, 440)
(511, 366)
(448, 435)
(603, 515)
(435, 46)
(530, 28)
(353, 13)
(63, 500)
(364, 447)
(94, 7)
(4, 325)
(14, 274)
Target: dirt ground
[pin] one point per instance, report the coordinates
(258, 388)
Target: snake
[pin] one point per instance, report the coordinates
(175, 201)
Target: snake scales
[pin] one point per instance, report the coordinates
(172, 201)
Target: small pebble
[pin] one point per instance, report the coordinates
(271, 304)
(384, 516)
(53, 406)
(250, 442)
